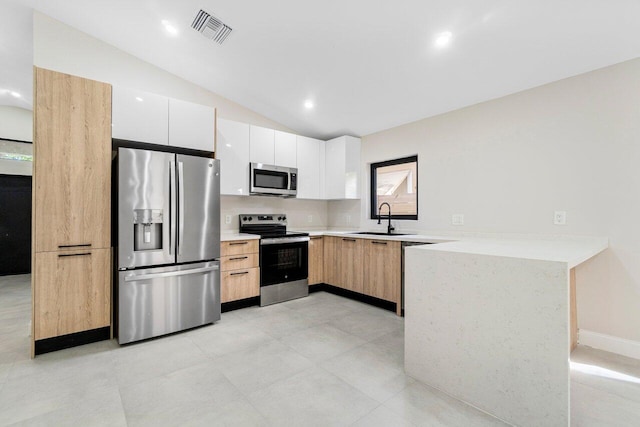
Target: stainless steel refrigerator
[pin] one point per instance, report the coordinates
(168, 243)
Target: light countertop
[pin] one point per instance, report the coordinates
(573, 251)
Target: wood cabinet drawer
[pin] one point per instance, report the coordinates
(239, 284)
(237, 262)
(237, 247)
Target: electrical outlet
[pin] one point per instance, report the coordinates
(560, 218)
(457, 219)
(310, 218)
(348, 219)
(227, 219)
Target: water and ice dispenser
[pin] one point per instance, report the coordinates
(147, 229)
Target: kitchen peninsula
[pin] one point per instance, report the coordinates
(488, 322)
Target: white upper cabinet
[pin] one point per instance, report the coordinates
(342, 168)
(232, 148)
(285, 149)
(191, 125)
(308, 164)
(262, 145)
(140, 116)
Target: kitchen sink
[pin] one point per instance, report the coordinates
(378, 233)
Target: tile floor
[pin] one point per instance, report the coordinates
(318, 361)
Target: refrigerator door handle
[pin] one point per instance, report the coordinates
(181, 206)
(172, 207)
(137, 277)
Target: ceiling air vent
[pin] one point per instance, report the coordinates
(211, 27)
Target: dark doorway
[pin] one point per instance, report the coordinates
(15, 224)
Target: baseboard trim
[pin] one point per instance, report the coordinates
(609, 343)
(62, 342)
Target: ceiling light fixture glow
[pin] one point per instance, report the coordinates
(443, 39)
(15, 94)
(170, 28)
(308, 104)
(139, 99)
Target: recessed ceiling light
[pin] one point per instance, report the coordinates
(308, 104)
(443, 39)
(139, 99)
(15, 94)
(170, 28)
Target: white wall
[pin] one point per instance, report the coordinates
(17, 124)
(508, 164)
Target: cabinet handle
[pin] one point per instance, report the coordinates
(82, 254)
(238, 274)
(83, 245)
(315, 237)
(237, 243)
(379, 243)
(349, 240)
(238, 258)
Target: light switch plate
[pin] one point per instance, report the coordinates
(560, 218)
(457, 219)
(310, 218)
(227, 219)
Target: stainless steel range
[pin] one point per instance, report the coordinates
(284, 257)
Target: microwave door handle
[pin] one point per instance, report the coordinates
(181, 207)
(172, 207)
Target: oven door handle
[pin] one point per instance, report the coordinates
(282, 240)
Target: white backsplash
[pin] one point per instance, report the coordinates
(344, 214)
(298, 211)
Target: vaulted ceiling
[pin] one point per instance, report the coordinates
(366, 65)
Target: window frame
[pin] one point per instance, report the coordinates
(373, 195)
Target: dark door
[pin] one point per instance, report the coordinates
(15, 224)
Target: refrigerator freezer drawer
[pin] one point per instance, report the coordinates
(162, 300)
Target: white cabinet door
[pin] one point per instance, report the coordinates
(342, 168)
(334, 168)
(352, 168)
(285, 149)
(191, 125)
(233, 152)
(140, 116)
(262, 145)
(322, 167)
(308, 155)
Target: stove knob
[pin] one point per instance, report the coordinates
(279, 218)
(250, 218)
(284, 218)
(244, 218)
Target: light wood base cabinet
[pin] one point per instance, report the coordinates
(316, 260)
(240, 284)
(73, 292)
(240, 271)
(382, 269)
(370, 267)
(350, 266)
(331, 252)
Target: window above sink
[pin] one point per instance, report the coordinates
(395, 182)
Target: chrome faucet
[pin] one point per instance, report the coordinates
(389, 227)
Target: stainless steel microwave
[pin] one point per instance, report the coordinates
(273, 180)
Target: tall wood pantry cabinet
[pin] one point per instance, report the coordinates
(71, 274)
